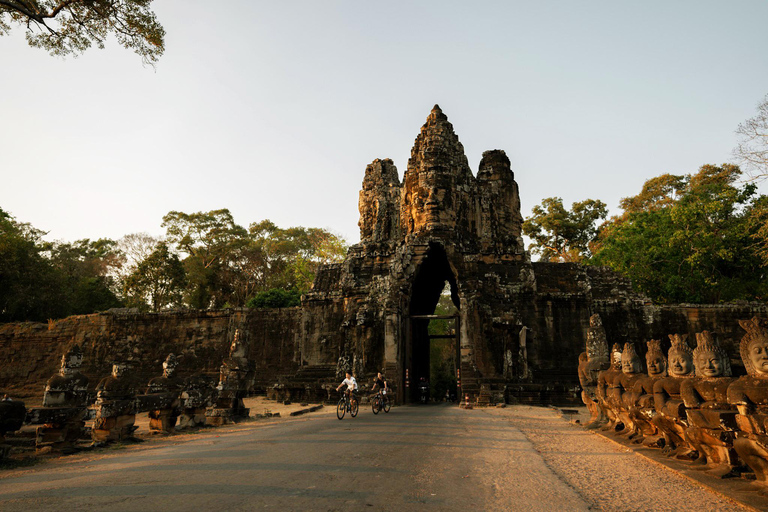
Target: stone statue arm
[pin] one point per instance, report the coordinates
(601, 385)
(737, 396)
(690, 396)
(660, 395)
(634, 393)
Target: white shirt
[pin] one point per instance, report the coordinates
(350, 382)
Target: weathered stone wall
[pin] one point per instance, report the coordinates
(521, 325)
(31, 352)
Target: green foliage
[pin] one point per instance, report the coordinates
(442, 352)
(293, 255)
(40, 280)
(227, 264)
(65, 27)
(30, 288)
(690, 239)
(209, 239)
(206, 261)
(85, 269)
(157, 282)
(275, 298)
(564, 235)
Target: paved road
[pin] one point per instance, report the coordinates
(414, 458)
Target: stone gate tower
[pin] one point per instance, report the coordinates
(440, 225)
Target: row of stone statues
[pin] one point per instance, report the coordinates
(172, 403)
(687, 403)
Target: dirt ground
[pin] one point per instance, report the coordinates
(604, 474)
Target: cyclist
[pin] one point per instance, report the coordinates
(381, 383)
(351, 385)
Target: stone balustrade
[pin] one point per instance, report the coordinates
(690, 404)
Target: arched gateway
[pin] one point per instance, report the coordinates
(444, 225)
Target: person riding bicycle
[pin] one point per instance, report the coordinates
(381, 383)
(351, 385)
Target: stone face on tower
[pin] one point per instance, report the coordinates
(440, 198)
(379, 202)
(438, 180)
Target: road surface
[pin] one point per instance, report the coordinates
(437, 457)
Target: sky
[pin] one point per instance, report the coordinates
(274, 109)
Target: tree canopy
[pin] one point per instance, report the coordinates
(564, 235)
(205, 261)
(66, 27)
(692, 238)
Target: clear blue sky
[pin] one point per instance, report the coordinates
(273, 109)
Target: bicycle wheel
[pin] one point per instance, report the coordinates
(387, 404)
(353, 409)
(375, 405)
(341, 409)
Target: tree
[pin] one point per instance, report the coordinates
(30, 288)
(562, 235)
(65, 27)
(752, 148)
(698, 246)
(658, 192)
(86, 269)
(758, 226)
(158, 281)
(293, 256)
(210, 240)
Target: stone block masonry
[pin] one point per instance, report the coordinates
(201, 339)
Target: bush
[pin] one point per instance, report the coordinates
(275, 298)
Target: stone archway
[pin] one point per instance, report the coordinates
(430, 279)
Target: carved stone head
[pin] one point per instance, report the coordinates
(680, 356)
(71, 361)
(616, 356)
(630, 361)
(379, 201)
(655, 360)
(754, 347)
(238, 349)
(119, 370)
(429, 196)
(597, 343)
(435, 183)
(709, 357)
(169, 366)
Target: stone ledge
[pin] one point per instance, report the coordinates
(307, 410)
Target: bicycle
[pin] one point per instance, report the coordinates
(345, 404)
(380, 401)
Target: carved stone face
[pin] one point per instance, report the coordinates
(656, 365)
(758, 355)
(631, 364)
(680, 364)
(118, 370)
(709, 364)
(616, 362)
(237, 350)
(70, 363)
(169, 368)
(430, 195)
